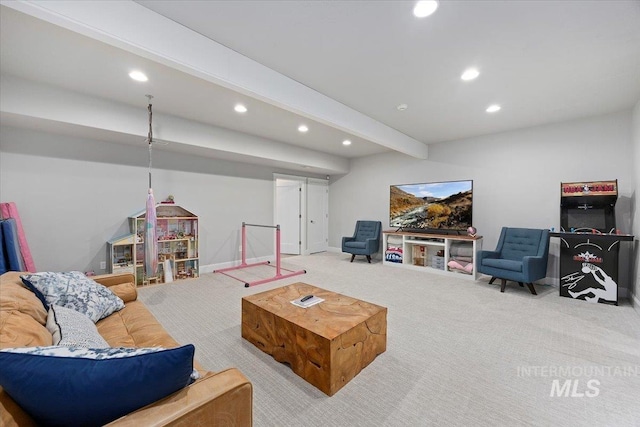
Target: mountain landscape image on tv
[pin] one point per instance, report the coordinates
(432, 206)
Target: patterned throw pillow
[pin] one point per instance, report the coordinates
(73, 290)
(85, 353)
(73, 329)
(91, 387)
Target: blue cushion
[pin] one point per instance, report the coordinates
(12, 253)
(73, 290)
(521, 242)
(61, 386)
(503, 264)
(4, 262)
(357, 245)
(367, 230)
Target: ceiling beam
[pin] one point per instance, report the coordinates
(136, 29)
(36, 101)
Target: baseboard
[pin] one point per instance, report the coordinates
(334, 250)
(209, 268)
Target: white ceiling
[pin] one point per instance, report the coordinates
(542, 61)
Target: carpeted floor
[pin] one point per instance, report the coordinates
(459, 353)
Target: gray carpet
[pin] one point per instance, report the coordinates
(459, 353)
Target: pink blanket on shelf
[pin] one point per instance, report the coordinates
(466, 267)
(10, 210)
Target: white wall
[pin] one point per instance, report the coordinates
(74, 195)
(516, 177)
(635, 205)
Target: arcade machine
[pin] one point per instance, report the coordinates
(589, 241)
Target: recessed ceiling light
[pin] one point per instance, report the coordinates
(138, 76)
(303, 128)
(402, 107)
(425, 8)
(493, 108)
(346, 142)
(470, 74)
(239, 108)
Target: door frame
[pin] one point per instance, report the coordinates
(325, 213)
(304, 248)
(300, 185)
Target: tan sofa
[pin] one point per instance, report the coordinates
(220, 398)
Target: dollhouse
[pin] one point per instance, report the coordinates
(177, 233)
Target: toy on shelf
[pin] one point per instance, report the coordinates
(169, 200)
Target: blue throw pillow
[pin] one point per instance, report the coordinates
(64, 386)
(73, 290)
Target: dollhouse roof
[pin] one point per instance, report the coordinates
(167, 210)
(127, 239)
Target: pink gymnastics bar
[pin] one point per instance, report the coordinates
(244, 264)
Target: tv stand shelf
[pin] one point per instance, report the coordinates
(419, 251)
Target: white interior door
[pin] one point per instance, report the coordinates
(288, 196)
(317, 215)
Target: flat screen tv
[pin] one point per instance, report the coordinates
(441, 207)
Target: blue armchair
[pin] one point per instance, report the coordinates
(365, 239)
(521, 256)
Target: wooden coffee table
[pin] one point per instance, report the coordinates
(326, 344)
